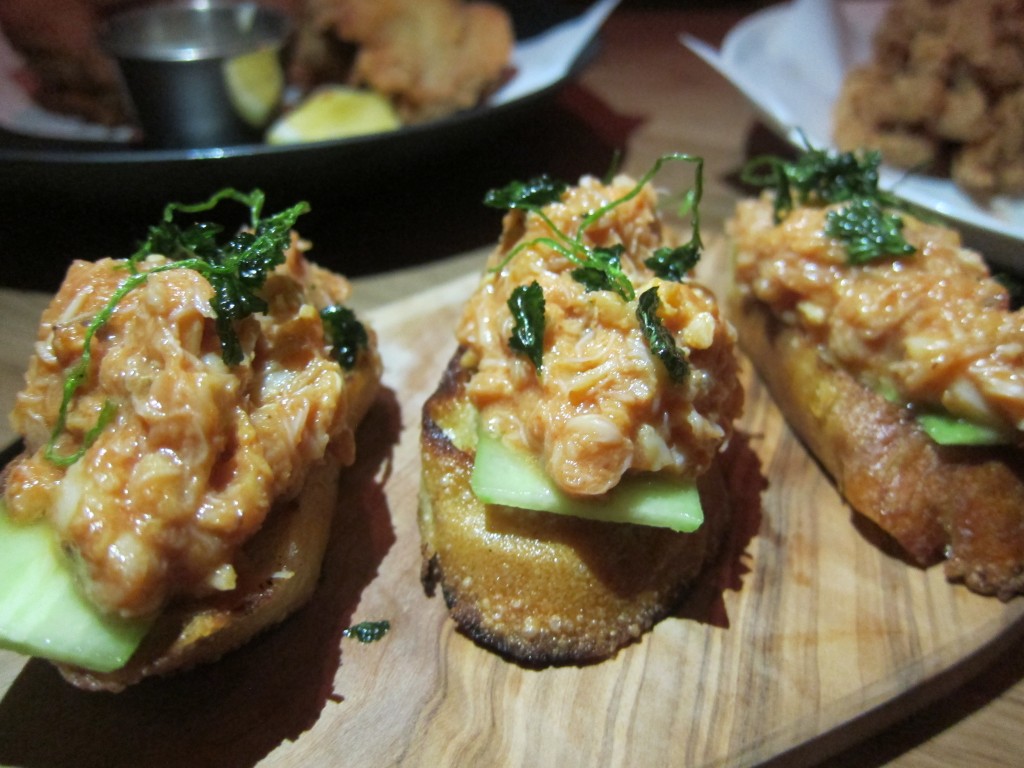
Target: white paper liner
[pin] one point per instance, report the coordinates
(789, 61)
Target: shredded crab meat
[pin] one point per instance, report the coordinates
(601, 406)
(198, 451)
(934, 325)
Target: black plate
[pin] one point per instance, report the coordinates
(126, 173)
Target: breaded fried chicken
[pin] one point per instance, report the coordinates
(430, 57)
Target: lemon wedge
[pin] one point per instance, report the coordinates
(255, 84)
(334, 112)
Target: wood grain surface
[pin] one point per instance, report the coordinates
(809, 634)
(842, 648)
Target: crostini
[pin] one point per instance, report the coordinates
(185, 417)
(894, 355)
(571, 486)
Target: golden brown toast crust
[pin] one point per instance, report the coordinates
(961, 504)
(538, 587)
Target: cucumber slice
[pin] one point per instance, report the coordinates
(946, 429)
(502, 475)
(42, 611)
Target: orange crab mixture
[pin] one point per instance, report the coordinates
(933, 326)
(197, 451)
(601, 404)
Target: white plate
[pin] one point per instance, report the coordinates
(789, 61)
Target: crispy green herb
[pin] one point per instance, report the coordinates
(535, 193)
(817, 177)
(661, 342)
(674, 263)
(527, 306)
(598, 269)
(345, 333)
(867, 231)
(821, 177)
(602, 271)
(532, 196)
(236, 270)
(368, 631)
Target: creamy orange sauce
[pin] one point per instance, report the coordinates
(601, 405)
(160, 504)
(934, 325)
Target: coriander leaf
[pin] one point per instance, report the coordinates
(527, 306)
(601, 270)
(345, 333)
(535, 193)
(659, 340)
(867, 231)
(674, 263)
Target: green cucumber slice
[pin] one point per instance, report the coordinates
(946, 429)
(44, 614)
(502, 475)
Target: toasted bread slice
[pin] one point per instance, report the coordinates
(961, 504)
(277, 573)
(538, 587)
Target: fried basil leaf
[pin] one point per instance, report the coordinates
(661, 343)
(345, 333)
(527, 306)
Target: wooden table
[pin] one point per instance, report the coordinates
(645, 93)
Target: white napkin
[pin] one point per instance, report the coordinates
(545, 59)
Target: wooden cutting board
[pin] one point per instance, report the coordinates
(808, 635)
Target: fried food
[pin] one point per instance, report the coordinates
(430, 57)
(592, 409)
(187, 487)
(859, 355)
(69, 73)
(943, 92)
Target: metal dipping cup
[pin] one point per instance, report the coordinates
(200, 73)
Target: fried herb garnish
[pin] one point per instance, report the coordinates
(659, 339)
(867, 224)
(674, 263)
(529, 195)
(867, 231)
(602, 271)
(527, 306)
(596, 268)
(532, 196)
(347, 336)
(236, 270)
(368, 631)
